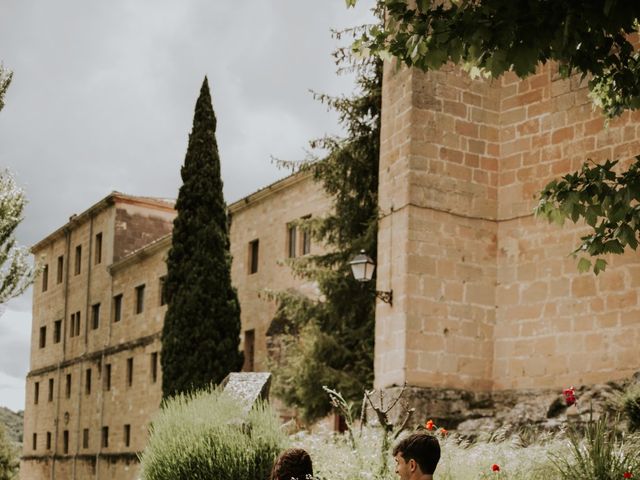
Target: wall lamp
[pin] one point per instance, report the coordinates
(362, 268)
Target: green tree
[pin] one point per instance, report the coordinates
(15, 272)
(8, 457)
(201, 331)
(588, 37)
(331, 339)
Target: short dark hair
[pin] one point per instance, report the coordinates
(292, 463)
(422, 447)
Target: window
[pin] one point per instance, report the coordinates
(129, 371)
(43, 337)
(48, 440)
(117, 308)
(36, 393)
(57, 331)
(60, 269)
(292, 233)
(67, 387)
(105, 437)
(254, 248)
(65, 441)
(78, 268)
(50, 399)
(163, 298)
(74, 331)
(249, 350)
(98, 255)
(35, 441)
(127, 435)
(306, 238)
(95, 316)
(85, 438)
(154, 367)
(45, 278)
(106, 377)
(87, 382)
(139, 299)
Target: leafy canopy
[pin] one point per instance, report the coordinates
(496, 36)
(594, 38)
(16, 274)
(330, 340)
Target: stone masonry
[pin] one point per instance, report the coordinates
(486, 297)
(94, 386)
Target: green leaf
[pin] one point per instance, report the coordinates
(350, 3)
(600, 266)
(584, 265)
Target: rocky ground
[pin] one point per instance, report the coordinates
(474, 413)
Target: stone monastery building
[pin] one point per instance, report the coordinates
(485, 296)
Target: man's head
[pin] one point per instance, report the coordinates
(293, 463)
(416, 455)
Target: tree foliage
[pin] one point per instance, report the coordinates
(201, 332)
(15, 272)
(8, 457)
(593, 38)
(331, 338)
(494, 36)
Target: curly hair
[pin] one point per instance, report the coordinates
(294, 463)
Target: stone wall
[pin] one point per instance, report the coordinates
(485, 295)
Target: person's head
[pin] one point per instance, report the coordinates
(416, 455)
(293, 463)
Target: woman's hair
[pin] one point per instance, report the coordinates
(294, 463)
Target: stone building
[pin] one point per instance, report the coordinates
(486, 298)
(95, 378)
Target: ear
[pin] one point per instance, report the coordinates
(413, 465)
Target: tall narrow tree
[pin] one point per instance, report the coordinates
(202, 325)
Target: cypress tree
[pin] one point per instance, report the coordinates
(201, 331)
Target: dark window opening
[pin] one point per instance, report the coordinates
(67, 388)
(129, 371)
(60, 269)
(106, 377)
(154, 367)
(78, 268)
(57, 331)
(95, 316)
(127, 435)
(85, 438)
(43, 337)
(36, 393)
(139, 299)
(50, 398)
(35, 441)
(45, 278)
(98, 255)
(254, 249)
(249, 350)
(87, 382)
(48, 440)
(65, 441)
(105, 437)
(117, 308)
(163, 298)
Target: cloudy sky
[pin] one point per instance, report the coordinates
(103, 94)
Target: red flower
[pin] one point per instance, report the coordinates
(495, 467)
(429, 425)
(627, 475)
(569, 396)
(444, 431)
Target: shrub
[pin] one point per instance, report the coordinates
(630, 405)
(208, 435)
(599, 452)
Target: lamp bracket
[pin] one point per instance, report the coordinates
(386, 297)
